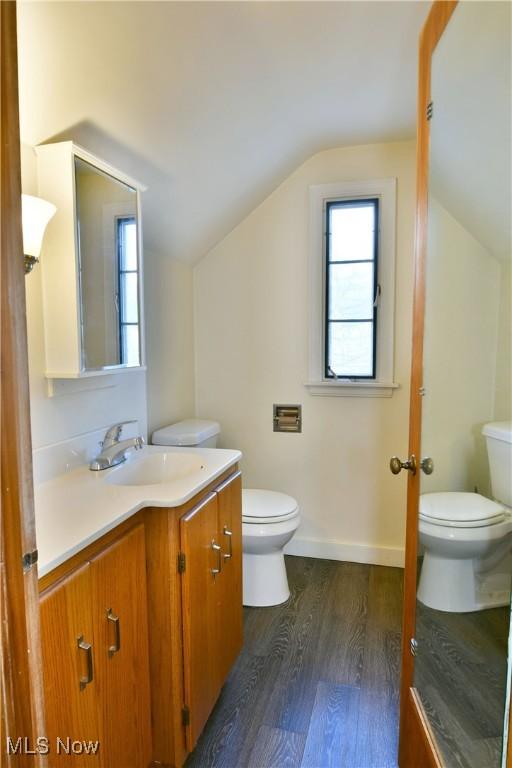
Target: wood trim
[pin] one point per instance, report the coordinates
(509, 734)
(21, 668)
(419, 745)
(434, 27)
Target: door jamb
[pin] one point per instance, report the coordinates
(20, 667)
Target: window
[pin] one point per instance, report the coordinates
(351, 288)
(126, 235)
(352, 265)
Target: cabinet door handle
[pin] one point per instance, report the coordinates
(218, 549)
(112, 649)
(87, 647)
(229, 534)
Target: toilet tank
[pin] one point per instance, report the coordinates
(498, 436)
(191, 433)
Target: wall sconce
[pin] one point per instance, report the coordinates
(35, 215)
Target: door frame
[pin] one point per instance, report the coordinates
(417, 743)
(22, 704)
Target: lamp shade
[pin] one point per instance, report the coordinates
(35, 215)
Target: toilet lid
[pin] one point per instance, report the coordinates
(460, 510)
(260, 506)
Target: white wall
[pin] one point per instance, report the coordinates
(503, 394)
(169, 340)
(251, 332)
(460, 354)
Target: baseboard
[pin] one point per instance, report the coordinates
(332, 549)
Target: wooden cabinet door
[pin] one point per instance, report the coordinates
(200, 605)
(230, 537)
(121, 651)
(70, 677)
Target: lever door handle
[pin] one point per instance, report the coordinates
(218, 549)
(113, 649)
(87, 647)
(229, 534)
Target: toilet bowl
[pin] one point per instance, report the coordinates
(269, 520)
(467, 538)
(467, 541)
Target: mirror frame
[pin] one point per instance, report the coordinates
(61, 293)
(117, 176)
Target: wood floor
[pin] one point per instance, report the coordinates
(317, 683)
(460, 673)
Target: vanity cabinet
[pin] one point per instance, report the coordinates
(229, 495)
(141, 628)
(211, 569)
(95, 657)
(71, 704)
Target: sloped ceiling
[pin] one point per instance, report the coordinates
(212, 104)
(470, 140)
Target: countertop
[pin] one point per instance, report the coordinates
(77, 508)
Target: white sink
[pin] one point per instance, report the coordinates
(156, 468)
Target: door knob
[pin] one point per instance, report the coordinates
(396, 465)
(426, 464)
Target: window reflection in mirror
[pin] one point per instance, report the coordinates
(109, 269)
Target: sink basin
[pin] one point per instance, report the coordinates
(157, 468)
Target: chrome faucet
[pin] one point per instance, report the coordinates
(113, 450)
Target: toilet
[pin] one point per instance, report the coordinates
(467, 538)
(269, 520)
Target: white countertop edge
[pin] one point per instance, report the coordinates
(45, 567)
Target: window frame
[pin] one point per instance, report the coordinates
(348, 202)
(382, 384)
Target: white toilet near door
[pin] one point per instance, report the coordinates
(269, 520)
(467, 538)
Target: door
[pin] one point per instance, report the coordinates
(70, 683)
(454, 668)
(22, 710)
(201, 613)
(231, 601)
(121, 650)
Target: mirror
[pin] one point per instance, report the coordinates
(465, 528)
(109, 272)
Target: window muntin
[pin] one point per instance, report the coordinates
(128, 276)
(351, 288)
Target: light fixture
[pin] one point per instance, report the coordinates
(35, 215)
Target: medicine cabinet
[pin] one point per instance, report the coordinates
(91, 265)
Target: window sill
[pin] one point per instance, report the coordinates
(351, 388)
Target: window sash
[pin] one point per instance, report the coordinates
(121, 223)
(331, 205)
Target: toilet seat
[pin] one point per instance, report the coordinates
(264, 507)
(460, 510)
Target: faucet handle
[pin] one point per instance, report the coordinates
(113, 433)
